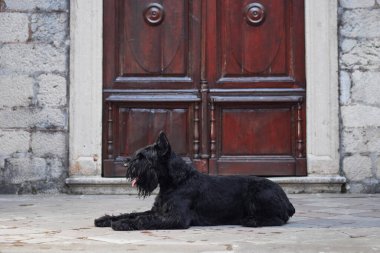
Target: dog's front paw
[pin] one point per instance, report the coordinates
(104, 221)
(122, 225)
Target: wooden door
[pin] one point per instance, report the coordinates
(225, 79)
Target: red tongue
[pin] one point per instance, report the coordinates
(134, 182)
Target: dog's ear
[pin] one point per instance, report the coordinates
(163, 145)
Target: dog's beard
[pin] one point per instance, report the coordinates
(145, 179)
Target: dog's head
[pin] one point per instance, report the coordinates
(148, 164)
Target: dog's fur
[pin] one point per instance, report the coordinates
(189, 198)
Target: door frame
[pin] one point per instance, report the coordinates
(86, 82)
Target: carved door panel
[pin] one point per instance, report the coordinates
(256, 78)
(224, 78)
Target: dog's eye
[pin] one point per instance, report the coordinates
(140, 156)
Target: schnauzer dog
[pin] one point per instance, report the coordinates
(188, 198)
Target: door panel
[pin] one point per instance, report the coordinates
(266, 54)
(253, 49)
(150, 48)
(132, 125)
(151, 44)
(140, 126)
(257, 134)
(224, 78)
(256, 131)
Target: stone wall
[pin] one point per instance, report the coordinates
(34, 56)
(359, 59)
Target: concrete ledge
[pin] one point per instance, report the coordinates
(99, 185)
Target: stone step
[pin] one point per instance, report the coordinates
(310, 184)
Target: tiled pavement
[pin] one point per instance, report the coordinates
(64, 223)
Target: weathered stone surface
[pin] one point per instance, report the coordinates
(19, 170)
(18, 118)
(37, 5)
(52, 90)
(345, 87)
(34, 50)
(339, 223)
(347, 44)
(357, 167)
(49, 27)
(30, 58)
(366, 87)
(49, 144)
(14, 27)
(365, 55)
(357, 3)
(16, 90)
(57, 168)
(12, 141)
(356, 140)
(48, 118)
(360, 116)
(362, 23)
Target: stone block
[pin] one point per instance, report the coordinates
(52, 90)
(345, 87)
(16, 90)
(56, 167)
(362, 23)
(361, 140)
(37, 5)
(50, 118)
(16, 118)
(14, 27)
(347, 44)
(47, 118)
(49, 144)
(363, 55)
(84, 166)
(29, 58)
(357, 3)
(49, 27)
(360, 116)
(12, 141)
(20, 170)
(365, 87)
(357, 167)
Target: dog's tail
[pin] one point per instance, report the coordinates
(291, 209)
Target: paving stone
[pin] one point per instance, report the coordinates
(62, 223)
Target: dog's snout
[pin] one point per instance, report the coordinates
(126, 162)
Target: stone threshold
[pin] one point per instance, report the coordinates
(310, 184)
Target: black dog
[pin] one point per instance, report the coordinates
(189, 198)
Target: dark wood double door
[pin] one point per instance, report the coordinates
(225, 79)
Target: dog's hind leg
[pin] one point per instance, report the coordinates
(154, 221)
(106, 220)
(261, 222)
